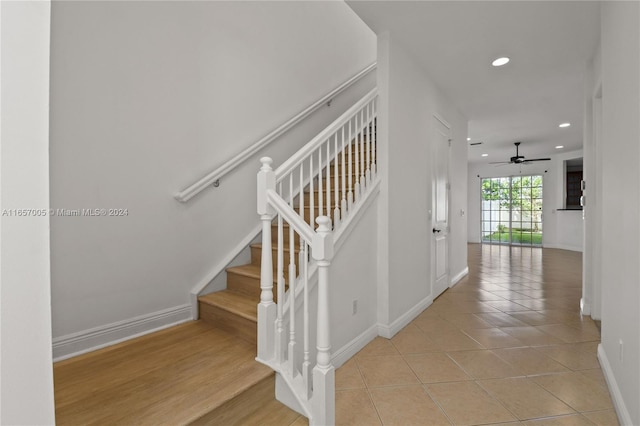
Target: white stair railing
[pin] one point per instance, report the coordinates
(334, 171)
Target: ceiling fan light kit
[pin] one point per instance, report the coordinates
(519, 159)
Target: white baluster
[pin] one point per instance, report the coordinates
(292, 358)
(306, 363)
(374, 164)
(312, 195)
(362, 154)
(336, 186)
(301, 207)
(320, 194)
(267, 308)
(343, 204)
(368, 172)
(281, 338)
(350, 174)
(356, 177)
(323, 372)
(328, 179)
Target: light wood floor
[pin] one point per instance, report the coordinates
(167, 378)
(506, 345)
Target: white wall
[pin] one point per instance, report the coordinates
(561, 229)
(409, 100)
(620, 347)
(592, 256)
(352, 278)
(146, 98)
(26, 387)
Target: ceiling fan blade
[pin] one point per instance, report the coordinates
(538, 159)
(500, 162)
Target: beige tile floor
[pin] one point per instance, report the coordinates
(506, 345)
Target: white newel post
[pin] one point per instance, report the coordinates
(266, 308)
(323, 373)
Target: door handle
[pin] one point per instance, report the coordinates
(435, 231)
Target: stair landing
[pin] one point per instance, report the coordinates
(189, 374)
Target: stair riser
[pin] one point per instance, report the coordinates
(256, 256)
(349, 178)
(235, 410)
(316, 197)
(285, 236)
(353, 154)
(248, 286)
(243, 328)
(346, 172)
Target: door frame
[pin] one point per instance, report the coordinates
(439, 121)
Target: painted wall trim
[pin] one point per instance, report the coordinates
(444, 122)
(614, 390)
(585, 308)
(563, 247)
(389, 331)
(459, 276)
(346, 352)
(99, 337)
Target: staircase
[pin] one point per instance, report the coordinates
(206, 372)
(235, 309)
(301, 205)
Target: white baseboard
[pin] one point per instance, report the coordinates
(585, 308)
(563, 247)
(345, 353)
(390, 330)
(99, 337)
(459, 276)
(614, 390)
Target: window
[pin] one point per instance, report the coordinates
(512, 210)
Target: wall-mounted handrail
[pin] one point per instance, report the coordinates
(213, 178)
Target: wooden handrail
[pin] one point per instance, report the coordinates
(213, 178)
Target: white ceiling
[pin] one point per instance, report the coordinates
(549, 43)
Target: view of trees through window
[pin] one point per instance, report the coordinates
(512, 210)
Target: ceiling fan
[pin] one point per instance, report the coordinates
(519, 159)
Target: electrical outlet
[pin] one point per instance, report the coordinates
(355, 307)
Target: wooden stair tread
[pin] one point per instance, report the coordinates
(296, 247)
(250, 270)
(233, 302)
(176, 380)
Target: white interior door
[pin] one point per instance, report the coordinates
(440, 207)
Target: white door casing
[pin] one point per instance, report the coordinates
(440, 206)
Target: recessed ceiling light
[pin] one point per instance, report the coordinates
(500, 61)
(559, 146)
(468, 139)
(485, 155)
(565, 125)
